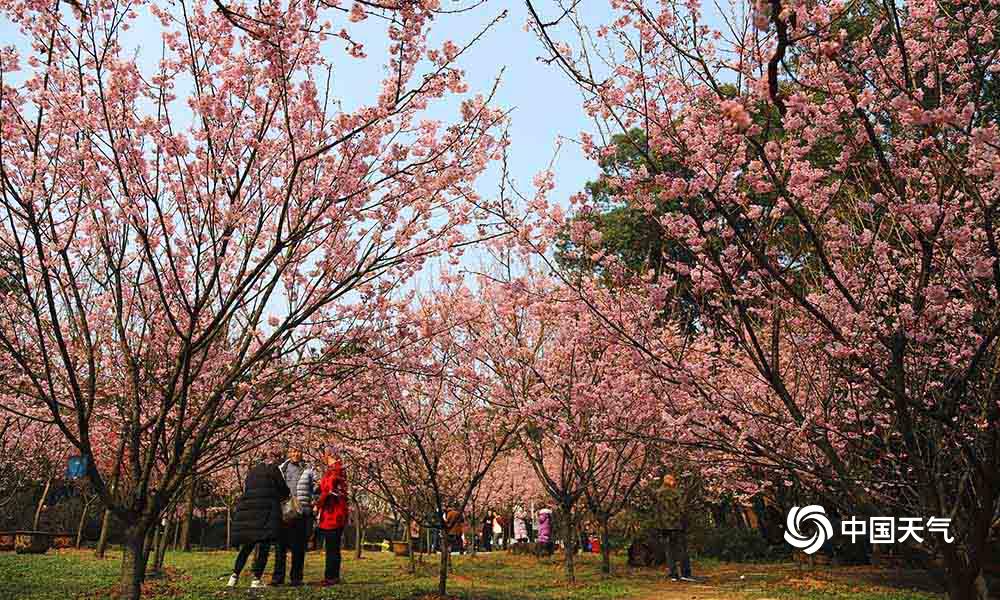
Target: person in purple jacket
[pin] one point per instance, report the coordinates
(545, 544)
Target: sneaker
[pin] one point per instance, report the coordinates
(674, 578)
(256, 584)
(233, 580)
(329, 582)
(689, 578)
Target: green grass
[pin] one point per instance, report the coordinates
(69, 575)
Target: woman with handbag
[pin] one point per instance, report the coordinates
(332, 509)
(257, 519)
(298, 518)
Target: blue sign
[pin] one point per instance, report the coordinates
(76, 468)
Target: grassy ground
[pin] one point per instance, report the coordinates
(72, 575)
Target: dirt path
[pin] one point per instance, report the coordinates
(690, 591)
(763, 582)
(728, 582)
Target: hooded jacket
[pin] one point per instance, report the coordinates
(258, 512)
(332, 501)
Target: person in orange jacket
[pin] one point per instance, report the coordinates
(332, 509)
(455, 524)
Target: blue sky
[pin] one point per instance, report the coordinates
(546, 106)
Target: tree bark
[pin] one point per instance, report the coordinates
(79, 526)
(165, 544)
(965, 582)
(133, 563)
(475, 533)
(153, 549)
(83, 521)
(229, 526)
(358, 537)
(443, 571)
(605, 548)
(188, 516)
(41, 503)
(102, 542)
(413, 560)
(176, 544)
(568, 544)
(160, 547)
(964, 587)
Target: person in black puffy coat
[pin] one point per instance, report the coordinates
(257, 519)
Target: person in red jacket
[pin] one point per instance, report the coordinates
(331, 506)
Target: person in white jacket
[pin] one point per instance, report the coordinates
(520, 527)
(497, 531)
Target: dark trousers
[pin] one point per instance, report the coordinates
(331, 540)
(677, 552)
(259, 561)
(294, 537)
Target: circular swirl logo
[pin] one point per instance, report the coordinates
(812, 514)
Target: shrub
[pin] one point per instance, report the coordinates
(738, 545)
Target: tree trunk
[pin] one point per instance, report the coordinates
(165, 544)
(965, 587)
(229, 526)
(413, 560)
(151, 537)
(188, 516)
(102, 542)
(41, 503)
(83, 521)
(475, 533)
(152, 549)
(160, 547)
(79, 526)
(133, 563)
(443, 571)
(177, 537)
(605, 549)
(358, 537)
(568, 544)
(965, 582)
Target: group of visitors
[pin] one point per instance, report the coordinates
(284, 503)
(496, 534)
(668, 517)
(496, 531)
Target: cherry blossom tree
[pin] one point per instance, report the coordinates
(834, 169)
(187, 245)
(586, 397)
(423, 420)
